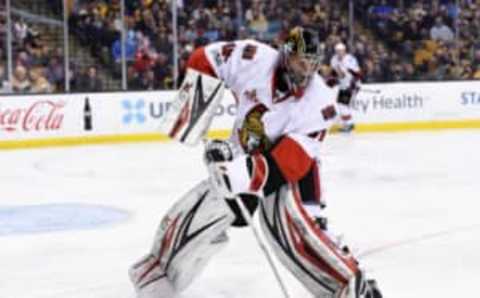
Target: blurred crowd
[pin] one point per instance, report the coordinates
(425, 40)
(36, 67)
(394, 39)
(149, 45)
(37, 64)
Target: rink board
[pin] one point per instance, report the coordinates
(95, 118)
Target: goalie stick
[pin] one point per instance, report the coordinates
(249, 219)
(260, 243)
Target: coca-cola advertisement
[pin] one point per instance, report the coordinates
(32, 116)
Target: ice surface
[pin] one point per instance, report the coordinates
(408, 203)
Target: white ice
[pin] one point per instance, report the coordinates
(409, 204)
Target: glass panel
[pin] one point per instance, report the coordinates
(95, 45)
(4, 88)
(392, 39)
(37, 48)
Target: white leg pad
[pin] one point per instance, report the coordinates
(191, 232)
(150, 280)
(306, 252)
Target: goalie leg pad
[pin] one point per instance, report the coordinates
(150, 280)
(303, 247)
(345, 266)
(191, 232)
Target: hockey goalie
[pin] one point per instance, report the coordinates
(271, 163)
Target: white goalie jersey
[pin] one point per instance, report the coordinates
(248, 68)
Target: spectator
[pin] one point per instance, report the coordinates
(256, 19)
(90, 81)
(130, 48)
(147, 81)
(441, 32)
(23, 58)
(20, 31)
(476, 57)
(143, 61)
(383, 10)
(39, 83)
(162, 71)
(203, 18)
(133, 78)
(163, 43)
(476, 75)
(20, 81)
(55, 73)
(4, 87)
(380, 16)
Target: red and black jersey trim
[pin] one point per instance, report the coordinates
(274, 179)
(198, 60)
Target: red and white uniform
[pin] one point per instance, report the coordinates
(348, 74)
(349, 68)
(192, 231)
(296, 126)
(248, 68)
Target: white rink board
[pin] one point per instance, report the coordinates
(404, 102)
(44, 116)
(33, 117)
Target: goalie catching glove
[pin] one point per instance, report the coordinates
(252, 134)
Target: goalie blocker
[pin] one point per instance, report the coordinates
(192, 111)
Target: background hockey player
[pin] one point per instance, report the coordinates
(348, 74)
(284, 111)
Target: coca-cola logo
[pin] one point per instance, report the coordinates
(43, 115)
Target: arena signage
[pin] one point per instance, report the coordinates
(410, 102)
(470, 98)
(133, 116)
(43, 115)
(31, 117)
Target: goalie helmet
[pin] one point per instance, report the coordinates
(300, 55)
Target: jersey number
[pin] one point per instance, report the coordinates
(329, 113)
(248, 52)
(227, 51)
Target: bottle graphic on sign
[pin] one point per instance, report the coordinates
(87, 115)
